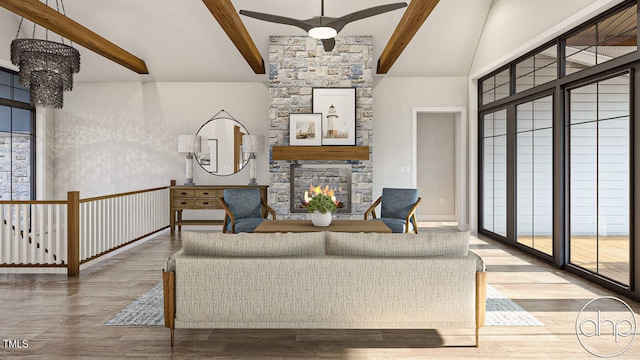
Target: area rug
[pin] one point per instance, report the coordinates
(148, 310)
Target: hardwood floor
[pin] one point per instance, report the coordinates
(62, 318)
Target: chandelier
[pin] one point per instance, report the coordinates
(45, 67)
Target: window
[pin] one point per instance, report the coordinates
(605, 40)
(17, 135)
(538, 69)
(599, 187)
(495, 87)
(534, 186)
(494, 172)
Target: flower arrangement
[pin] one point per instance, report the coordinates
(321, 203)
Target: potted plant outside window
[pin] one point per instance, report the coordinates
(321, 206)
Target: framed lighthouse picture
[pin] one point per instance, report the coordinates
(338, 109)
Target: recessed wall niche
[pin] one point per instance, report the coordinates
(297, 64)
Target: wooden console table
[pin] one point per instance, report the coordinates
(199, 197)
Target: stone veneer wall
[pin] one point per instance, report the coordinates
(297, 64)
(15, 167)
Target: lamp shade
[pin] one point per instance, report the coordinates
(253, 144)
(188, 143)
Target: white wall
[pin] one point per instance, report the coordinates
(392, 121)
(117, 137)
(8, 28)
(436, 166)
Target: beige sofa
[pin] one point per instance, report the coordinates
(324, 280)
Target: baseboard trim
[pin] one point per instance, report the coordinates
(436, 217)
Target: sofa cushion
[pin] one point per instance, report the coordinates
(376, 244)
(255, 244)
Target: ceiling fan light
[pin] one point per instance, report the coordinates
(322, 32)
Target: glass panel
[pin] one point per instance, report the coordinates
(525, 117)
(584, 104)
(546, 65)
(21, 167)
(524, 150)
(5, 118)
(21, 120)
(21, 95)
(500, 185)
(495, 87)
(487, 187)
(600, 153)
(543, 190)
(583, 195)
(500, 123)
(534, 155)
(5, 78)
(613, 98)
(5, 91)
(16, 83)
(613, 199)
(488, 125)
(5, 164)
(494, 172)
(537, 70)
(543, 113)
(606, 40)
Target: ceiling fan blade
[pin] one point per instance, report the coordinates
(340, 22)
(329, 44)
(277, 19)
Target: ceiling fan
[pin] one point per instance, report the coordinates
(323, 27)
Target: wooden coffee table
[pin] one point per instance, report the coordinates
(297, 226)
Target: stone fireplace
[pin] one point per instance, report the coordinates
(297, 64)
(331, 179)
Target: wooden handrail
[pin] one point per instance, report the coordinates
(74, 256)
(105, 197)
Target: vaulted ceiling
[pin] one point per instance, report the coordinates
(180, 40)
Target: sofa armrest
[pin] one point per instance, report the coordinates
(479, 262)
(170, 264)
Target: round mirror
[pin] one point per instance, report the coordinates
(220, 151)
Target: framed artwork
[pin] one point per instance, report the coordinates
(305, 129)
(338, 108)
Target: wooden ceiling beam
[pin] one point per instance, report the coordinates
(413, 18)
(49, 18)
(230, 21)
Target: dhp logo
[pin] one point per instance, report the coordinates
(606, 326)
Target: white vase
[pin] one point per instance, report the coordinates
(320, 219)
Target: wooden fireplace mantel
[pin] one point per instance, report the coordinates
(320, 153)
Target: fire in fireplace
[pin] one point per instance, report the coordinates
(335, 180)
(326, 190)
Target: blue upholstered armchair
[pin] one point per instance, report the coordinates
(397, 210)
(244, 210)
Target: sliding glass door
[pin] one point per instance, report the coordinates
(494, 165)
(599, 177)
(534, 173)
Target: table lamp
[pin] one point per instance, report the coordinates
(252, 145)
(189, 144)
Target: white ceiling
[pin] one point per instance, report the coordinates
(181, 41)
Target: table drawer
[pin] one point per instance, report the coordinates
(183, 193)
(209, 193)
(184, 203)
(207, 204)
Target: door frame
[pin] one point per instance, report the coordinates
(461, 157)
